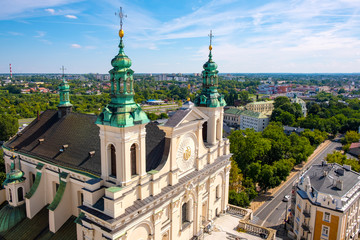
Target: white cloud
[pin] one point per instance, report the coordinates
(40, 34)
(16, 33)
(71, 16)
(75, 45)
(50, 10)
(11, 9)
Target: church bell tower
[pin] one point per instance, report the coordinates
(64, 106)
(210, 102)
(122, 124)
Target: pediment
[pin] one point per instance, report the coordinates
(185, 116)
(194, 115)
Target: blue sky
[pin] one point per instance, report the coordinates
(307, 36)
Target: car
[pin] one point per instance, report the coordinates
(286, 198)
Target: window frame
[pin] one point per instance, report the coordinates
(327, 217)
(323, 229)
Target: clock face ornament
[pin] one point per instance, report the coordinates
(186, 153)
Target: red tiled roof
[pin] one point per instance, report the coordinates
(355, 145)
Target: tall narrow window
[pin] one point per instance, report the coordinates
(10, 195)
(20, 194)
(32, 178)
(204, 132)
(133, 159)
(217, 192)
(184, 213)
(113, 161)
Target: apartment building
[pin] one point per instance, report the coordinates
(325, 203)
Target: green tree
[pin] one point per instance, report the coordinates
(280, 143)
(248, 146)
(267, 179)
(283, 168)
(351, 137)
(300, 149)
(163, 116)
(239, 199)
(254, 170)
(8, 126)
(235, 178)
(339, 158)
(286, 118)
(279, 101)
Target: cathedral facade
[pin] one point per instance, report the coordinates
(122, 176)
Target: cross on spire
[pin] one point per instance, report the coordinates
(121, 16)
(63, 70)
(211, 36)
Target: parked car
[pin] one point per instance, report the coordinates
(286, 198)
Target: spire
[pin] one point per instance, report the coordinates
(210, 46)
(122, 111)
(64, 106)
(209, 96)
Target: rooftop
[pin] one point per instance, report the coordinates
(253, 114)
(234, 111)
(69, 140)
(323, 179)
(260, 103)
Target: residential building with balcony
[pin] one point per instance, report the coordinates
(325, 203)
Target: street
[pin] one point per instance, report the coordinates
(272, 213)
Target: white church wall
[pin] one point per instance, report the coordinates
(2, 196)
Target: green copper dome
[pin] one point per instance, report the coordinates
(14, 176)
(121, 60)
(10, 216)
(210, 65)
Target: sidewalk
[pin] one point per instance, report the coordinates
(262, 198)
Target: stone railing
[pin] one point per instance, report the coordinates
(254, 229)
(246, 214)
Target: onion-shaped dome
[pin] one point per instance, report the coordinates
(121, 60)
(14, 176)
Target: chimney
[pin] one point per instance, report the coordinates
(339, 184)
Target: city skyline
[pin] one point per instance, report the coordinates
(320, 36)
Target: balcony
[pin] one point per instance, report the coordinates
(306, 214)
(305, 226)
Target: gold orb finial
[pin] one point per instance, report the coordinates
(121, 33)
(188, 99)
(210, 47)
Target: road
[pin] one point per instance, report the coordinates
(272, 213)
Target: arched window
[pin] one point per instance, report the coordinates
(10, 195)
(133, 159)
(204, 132)
(113, 160)
(184, 213)
(20, 194)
